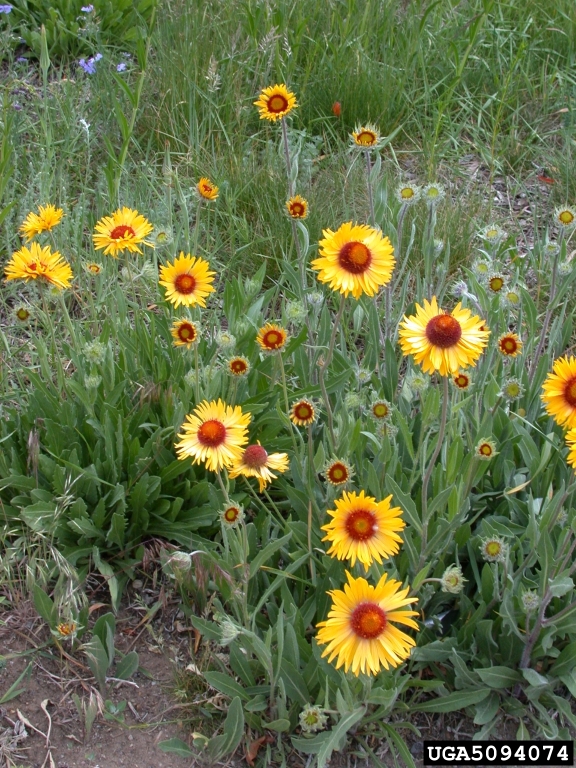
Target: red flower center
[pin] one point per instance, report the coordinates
(186, 332)
(297, 209)
(212, 433)
(570, 391)
(485, 449)
(238, 366)
(273, 339)
(255, 456)
(361, 525)
(368, 621)
(461, 381)
(355, 257)
(121, 232)
(231, 514)
(277, 103)
(304, 411)
(185, 284)
(33, 266)
(338, 473)
(366, 138)
(508, 345)
(443, 331)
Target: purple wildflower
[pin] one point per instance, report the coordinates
(5, 8)
(121, 67)
(87, 8)
(88, 66)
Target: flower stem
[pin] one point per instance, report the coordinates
(197, 371)
(548, 316)
(287, 156)
(286, 403)
(323, 368)
(369, 183)
(428, 474)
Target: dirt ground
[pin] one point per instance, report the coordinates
(42, 726)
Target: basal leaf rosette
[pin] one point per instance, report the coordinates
(359, 631)
(355, 259)
(441, 341)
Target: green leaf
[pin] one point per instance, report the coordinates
(45, 606)
(127, 666)
(561, 585)
(225, 744)
(404, 500)
(454, 701)
(338, 735)
(534, 678)
(225, 684)
(498, 677)
(269, 550)
(97, 658)
(281, 726)
(566, 661)
(487, 709)
(14, 691)
(176, 747)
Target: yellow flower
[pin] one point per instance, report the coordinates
(238, 366)
(184, 333)
(47, 218)
(366, 136)
(187, 281)
(39, 263)
(206, 189)
(255, 461)
(355, 259)
(66, 628)
(565, 216)
(560, 392)
(571, 443)
(297, 207)
(275, 101)
(440, 341)
(380, 409)
(337, 472)
(232, 515)
(486, 450)
(509, 344)
(93, 267)
(123, 231)
(215, 434)
(461, 380)
(360, 627)
(271, 337)
(302, 413)
(363, 529)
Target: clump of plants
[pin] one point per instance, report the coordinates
(374, 510)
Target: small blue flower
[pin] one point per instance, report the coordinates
(87, 8)
(22, 60)
(121, 67)
(97, 57)
(5, 8)
(88, 66)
